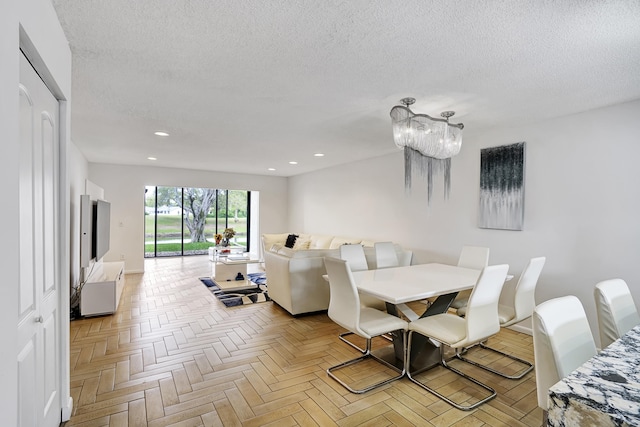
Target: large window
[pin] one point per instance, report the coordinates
(183, 221)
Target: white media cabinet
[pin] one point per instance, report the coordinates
(102, 289)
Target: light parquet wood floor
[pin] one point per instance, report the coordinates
(174, 355)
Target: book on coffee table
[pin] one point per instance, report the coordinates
(237, 257)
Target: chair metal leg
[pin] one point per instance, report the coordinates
(368, 355)
(443, 362)
(528, 365)
(361, 350)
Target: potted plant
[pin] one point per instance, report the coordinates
(227, 235)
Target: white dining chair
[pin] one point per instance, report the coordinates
(355, 257)
(457, 332)
(345, 310)
(520, 307)
(357, 261)
(386, 256)
(562, 341)
(616, 311)
(476, 257)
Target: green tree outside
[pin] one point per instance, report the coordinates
(198, 212)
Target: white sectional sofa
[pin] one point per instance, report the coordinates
(294, 275)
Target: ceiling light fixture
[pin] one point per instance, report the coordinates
(293, 163)
(430, 136)
(428, 142)
(152, 158)
(160, 133)
(271, 169)
(319, 155)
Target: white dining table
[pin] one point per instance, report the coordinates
(415, 282)
(400, 285)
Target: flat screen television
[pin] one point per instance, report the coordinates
(101, 230)
(95, 223)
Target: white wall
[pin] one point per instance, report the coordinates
(49, 52)
(124, 188)
(581, 203)
(9, 174)
(78, 173)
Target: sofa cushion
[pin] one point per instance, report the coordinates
(368, 243)
(314, 253)
(319, 241)
(291, 240)
(270, 239)
(309, 253)
(283, 250)
(339, 241)
(302, 243)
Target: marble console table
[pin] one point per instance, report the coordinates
(604, 391)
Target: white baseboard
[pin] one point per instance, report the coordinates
(67, 409)
(523, 329)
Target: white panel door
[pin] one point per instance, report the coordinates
(38, 323)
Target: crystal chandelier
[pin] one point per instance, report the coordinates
(430, 136)
(428, 143)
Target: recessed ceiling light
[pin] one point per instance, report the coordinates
(293, 163)
(319, 155)
(271, 169)
(152, 158)
(160, 133)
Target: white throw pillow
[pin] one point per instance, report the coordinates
(339, 241)
(319, 241)
(368, 243)
(301, 244)
(271, 239)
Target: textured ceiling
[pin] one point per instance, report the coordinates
(244, 85)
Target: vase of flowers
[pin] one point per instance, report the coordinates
(227, 235)
(218, 238)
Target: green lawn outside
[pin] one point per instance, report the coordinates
(173, 247)
(169, 234)
(201, 247)
(169, 226)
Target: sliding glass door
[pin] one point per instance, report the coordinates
(184, 221)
